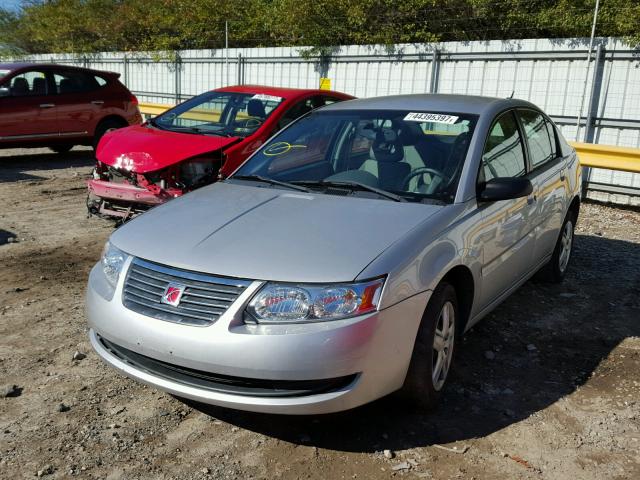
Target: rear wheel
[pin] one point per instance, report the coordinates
(61, 148)
(106, 126)
(433, 350)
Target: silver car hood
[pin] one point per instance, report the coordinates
(265, 233)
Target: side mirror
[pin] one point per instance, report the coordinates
(505, 189)
(5, 92)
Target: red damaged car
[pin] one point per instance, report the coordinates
(191, 145)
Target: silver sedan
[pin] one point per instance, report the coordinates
(344, 259)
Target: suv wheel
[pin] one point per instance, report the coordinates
(104, 127)
(61, 148)
(433, 350)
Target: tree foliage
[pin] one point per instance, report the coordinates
(85, 26)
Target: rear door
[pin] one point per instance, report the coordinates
(547, 174)
(78, 101)
(507, 229)
(27, 108)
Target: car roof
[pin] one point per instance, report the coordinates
(280, 92)
(14, 66)
(471, 104)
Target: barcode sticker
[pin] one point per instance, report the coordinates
(431, 117)
(263, 97)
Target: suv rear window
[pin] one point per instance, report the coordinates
(74, 82)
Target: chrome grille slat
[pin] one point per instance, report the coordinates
(194, 293)
(186, 299)
(145, 280)
(166, 310)
(204, 300)
(137, 287)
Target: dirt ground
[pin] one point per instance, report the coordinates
(547, 387)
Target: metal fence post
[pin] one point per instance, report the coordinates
(594, 97)
(178, 77)
(239, 69)
(435, 71)
(125, 67)
(592, 111)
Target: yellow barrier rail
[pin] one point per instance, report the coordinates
(153, 108)
(610, 157)
(591, 155)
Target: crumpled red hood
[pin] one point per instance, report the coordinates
(142, 149)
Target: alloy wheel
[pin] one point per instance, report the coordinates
(443, 341)
(566, 242)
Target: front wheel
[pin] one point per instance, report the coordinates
(559, 263)
(433, 350)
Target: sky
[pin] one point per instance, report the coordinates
(10, 4)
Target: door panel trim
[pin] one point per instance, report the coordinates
(43, 135)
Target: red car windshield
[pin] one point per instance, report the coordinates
(228, 114)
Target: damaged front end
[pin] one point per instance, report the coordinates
(119, 192)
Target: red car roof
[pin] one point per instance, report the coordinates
(287, 93)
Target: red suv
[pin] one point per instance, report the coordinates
(56, 106)
(192, 144)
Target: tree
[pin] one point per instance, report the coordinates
(85, 26)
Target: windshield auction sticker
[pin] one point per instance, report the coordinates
(263, 97)
(430, 117)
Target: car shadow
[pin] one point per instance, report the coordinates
(25, 166)
(545, 341)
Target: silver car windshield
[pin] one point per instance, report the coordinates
(414, 155)
(220, 113)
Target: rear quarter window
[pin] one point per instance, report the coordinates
(101, 81)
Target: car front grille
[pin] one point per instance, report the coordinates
(224, 383)
(204, 300)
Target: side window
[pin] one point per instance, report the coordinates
(536, 129)
(74, 82)
(296, 111)
(503, 154)
(29, 83)
(100, 80)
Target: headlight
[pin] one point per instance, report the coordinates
(286, 303)
(112, 262)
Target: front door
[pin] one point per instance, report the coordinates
(27, 108)
(507, 234)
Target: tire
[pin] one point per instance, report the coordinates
(104, 127)
(60, 149)
(422, 388)
(557, 267)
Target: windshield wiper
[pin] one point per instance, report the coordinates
(202, 131)
(355, 186)
(270, 181)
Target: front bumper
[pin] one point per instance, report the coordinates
(369, 354)
(122, 199)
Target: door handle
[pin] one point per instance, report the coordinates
(531, 199)
(47, 105)
(562, 175)
(97, 102)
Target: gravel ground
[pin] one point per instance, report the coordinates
(547, 387)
